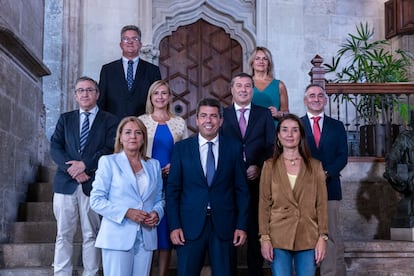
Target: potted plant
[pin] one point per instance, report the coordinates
(365, 60)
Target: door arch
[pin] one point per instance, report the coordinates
(199, 60)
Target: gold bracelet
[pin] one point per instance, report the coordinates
(264, 238)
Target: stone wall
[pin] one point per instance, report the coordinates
(22, 116)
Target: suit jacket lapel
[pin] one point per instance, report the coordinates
(253, 117)
(124, 84)
(125, 167)
(150, 173)
(325, 129)
(96, 125)
(309, 136)
(195, 151)
(74, 124)
(284, 181)
(235, 123)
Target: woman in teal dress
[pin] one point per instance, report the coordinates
(164, 129)
(268, 91)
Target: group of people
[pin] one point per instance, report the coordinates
(254, 173)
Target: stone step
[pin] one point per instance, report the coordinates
(48, 271)
(21, 259)
(36, 211)
(40, 192)
(37, 232)
(37, 271)
(30, 255)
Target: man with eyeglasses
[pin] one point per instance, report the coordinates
(80, 138)
(124, 83)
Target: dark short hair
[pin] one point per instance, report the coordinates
(131, 28)
(210, 102)
(86, 78)
(240, 75)
(315, 85)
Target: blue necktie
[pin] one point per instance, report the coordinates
(84, 131)
(210, 164)
(130, 74)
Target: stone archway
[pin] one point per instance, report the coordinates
(241, 26)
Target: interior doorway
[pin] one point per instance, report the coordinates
(199, 61)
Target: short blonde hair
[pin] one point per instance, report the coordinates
(118, 146)
(149, 109)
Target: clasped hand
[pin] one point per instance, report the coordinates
(77, 171)
(139, 216)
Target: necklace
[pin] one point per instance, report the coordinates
(292, 161)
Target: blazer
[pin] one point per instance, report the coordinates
(114, 191)
(176, 125)
(114, 95)
(259, 138)
(64, 146)
(332, 152)
(188, 193)
(296, 218)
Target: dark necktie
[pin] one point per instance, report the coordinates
(242, 122)
(316, 130)
(84, 131)
(210, 164)
(130, 74)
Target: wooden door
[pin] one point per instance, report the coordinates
(199, 61)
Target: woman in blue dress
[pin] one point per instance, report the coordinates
(268, 91)
(164, 129)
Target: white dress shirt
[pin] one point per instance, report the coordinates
(320, 122)
(203, 147)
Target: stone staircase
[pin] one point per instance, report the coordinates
(31, 248)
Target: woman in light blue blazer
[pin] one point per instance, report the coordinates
(127, 192)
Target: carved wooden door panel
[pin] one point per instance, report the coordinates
(199, 60)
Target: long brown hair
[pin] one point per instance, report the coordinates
(118, 146)
(304, 150)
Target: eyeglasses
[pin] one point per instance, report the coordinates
(130, 39)
(87, 90)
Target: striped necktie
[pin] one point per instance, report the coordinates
(84, 131)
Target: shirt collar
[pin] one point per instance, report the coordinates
(93, 111)
(238, 107)
(125, 60)
(310, 116)
(202, 140)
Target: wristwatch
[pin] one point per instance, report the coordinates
(324, 237)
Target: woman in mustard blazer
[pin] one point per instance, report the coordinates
(293, 224)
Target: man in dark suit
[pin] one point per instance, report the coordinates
(258, 138)
(124, 83)
(327, 141)
(207, 197)
(80, 138)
